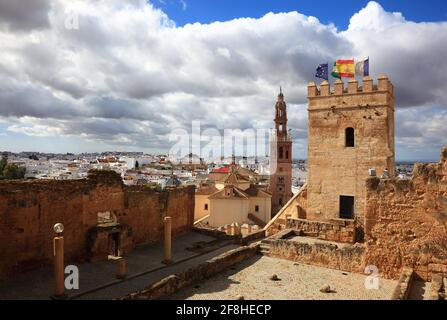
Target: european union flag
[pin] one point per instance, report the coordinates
(322, 71)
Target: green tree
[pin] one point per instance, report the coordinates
(3, 163)
(13, 171)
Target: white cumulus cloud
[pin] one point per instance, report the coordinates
(127, 75)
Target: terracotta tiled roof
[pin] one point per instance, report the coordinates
(234, 178)
(257, 191)
(233, 167)
(236, 193)
(206, 190)
(221, 170)
(246, 172)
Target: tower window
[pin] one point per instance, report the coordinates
(281, 152)
(346, 207)
(349, 137)
(206, 206)
(256, 208)
(287, 153)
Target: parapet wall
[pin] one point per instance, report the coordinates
(29, 209)
(406, 221)
(340, 256)
(339, 230)
(368, 86)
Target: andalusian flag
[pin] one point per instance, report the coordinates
(334, 72)
(343, 69)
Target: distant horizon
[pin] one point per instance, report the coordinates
(165, 153)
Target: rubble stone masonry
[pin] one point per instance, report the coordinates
(406, 221)
(29, 209)
(289, 244)
(339, 230)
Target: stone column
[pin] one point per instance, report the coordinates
(59, 276)
(121, 268)
(168, 240)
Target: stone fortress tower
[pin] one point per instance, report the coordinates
(280, 184)
(350, 131)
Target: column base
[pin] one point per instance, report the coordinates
(59, 297)
(167, 262)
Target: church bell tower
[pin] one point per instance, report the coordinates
(280, 185)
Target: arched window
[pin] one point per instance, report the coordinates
(281, 153)
(349, 137)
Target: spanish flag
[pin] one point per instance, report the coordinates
(343, 69)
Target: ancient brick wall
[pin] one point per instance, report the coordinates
(29, 209)
(336, 168)
(144, 209)
(406, 221)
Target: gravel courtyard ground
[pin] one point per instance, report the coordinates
(251, 279)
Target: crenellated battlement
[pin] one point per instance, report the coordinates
(339, 89)
(341, 96)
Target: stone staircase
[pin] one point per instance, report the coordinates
(265, 247)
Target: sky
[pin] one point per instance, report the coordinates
(327, 11)
(97, 75)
